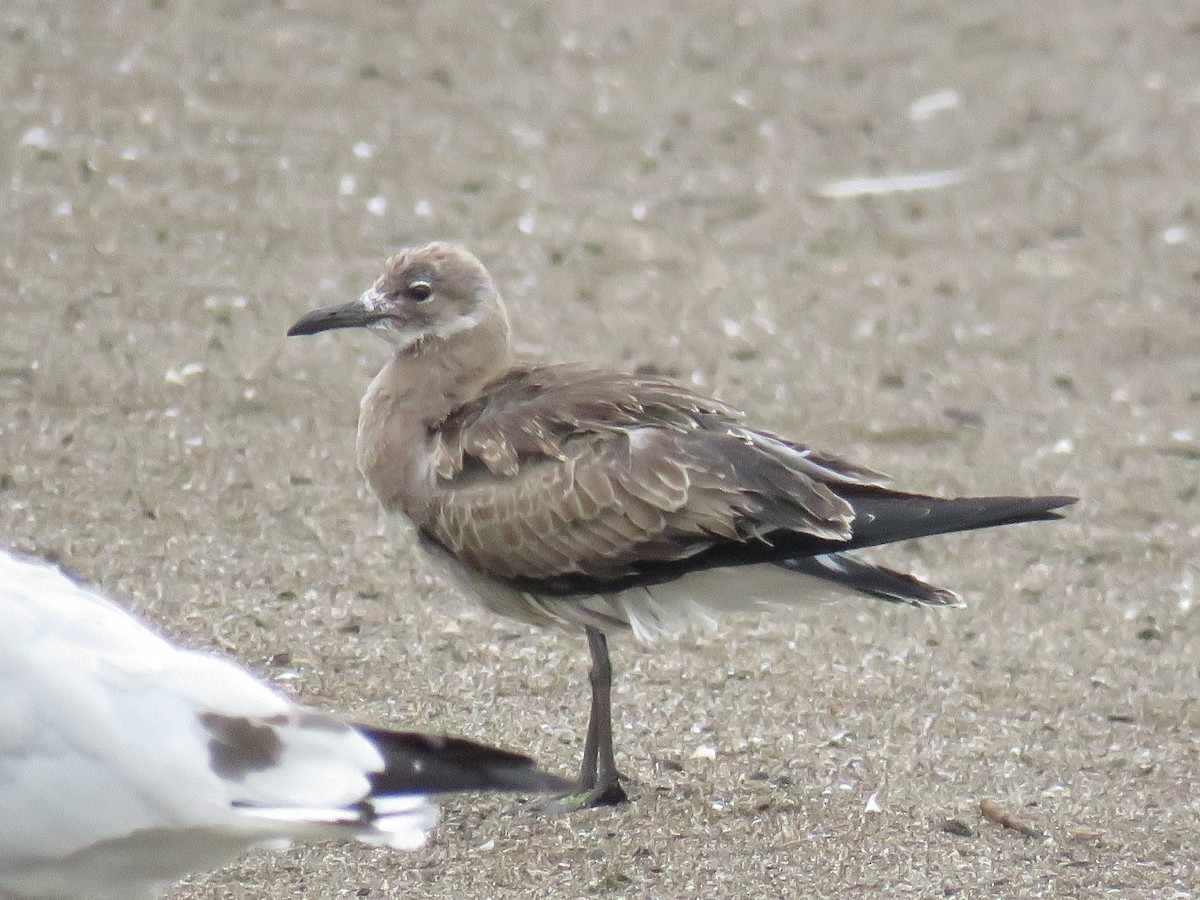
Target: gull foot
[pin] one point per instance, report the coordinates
(609, 794)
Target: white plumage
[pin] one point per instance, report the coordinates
(126, 763)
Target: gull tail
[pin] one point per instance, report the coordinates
(428, 764)
(397, 810)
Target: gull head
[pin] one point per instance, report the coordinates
(425, 297)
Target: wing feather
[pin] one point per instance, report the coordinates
(556, 471)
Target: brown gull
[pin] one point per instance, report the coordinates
(592, 498)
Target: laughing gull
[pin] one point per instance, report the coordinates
(127, 763)
(585, 497)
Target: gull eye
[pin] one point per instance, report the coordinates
(419, 290)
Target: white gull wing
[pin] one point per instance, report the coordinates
(126, 763)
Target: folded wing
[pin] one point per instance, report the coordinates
(567, 483)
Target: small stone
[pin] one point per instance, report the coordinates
(958, 827)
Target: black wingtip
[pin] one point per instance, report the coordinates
(883, 516)
(1026, 509)
(1052, 502)
(872, 580)
(431, 764)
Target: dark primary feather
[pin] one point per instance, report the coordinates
(882, 516)
(426, 764)
(872, 580)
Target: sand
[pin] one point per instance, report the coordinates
(670, 186)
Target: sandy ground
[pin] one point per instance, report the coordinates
(648, 181)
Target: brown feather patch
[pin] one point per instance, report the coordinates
(240, 745)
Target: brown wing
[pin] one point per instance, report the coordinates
(535, 410)
(558, 472)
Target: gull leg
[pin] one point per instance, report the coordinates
(599, 780)
(606, 780)
(588, 768)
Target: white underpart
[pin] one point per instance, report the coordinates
(652, 612)
(701, 598)
(107, 786)
(665, 610)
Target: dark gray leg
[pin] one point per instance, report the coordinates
(587, 769)
(598, 773)
(599, 780)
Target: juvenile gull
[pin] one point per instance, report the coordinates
(583, 497)
(127, 763)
